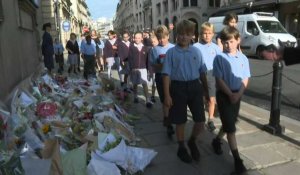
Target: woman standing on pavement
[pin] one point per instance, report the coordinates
(73, 51)
(47, 47)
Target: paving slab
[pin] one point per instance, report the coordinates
(256, 138)
(263, 156)
(290, 168)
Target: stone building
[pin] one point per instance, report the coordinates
(73, 11)
(20, 33)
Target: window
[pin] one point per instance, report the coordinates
(194, 2)
(252, 28)
(214, 3)
(1, 11)
(185, 3)
(158, 8)
(165, 6)
(173, 5)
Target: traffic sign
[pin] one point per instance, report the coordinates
(66, 25)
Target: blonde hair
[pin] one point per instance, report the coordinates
(161, 31)
(185, 27)
(207, 26)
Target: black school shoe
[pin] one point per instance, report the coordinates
(153, 99)
(239, 166)
(211, 126)
(183, 155)
(149, 104)
(170, 131)
(194, 150)
(217, 146)
(136, 100)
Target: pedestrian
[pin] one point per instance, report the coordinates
(231, 69)
(123, 54)
(146, 39)
(182, 69)
(47, 48)
(99, 46)
(110, 53)
(138, 65)
(209, 51)
(151, 73)
(73, 53)
(288, 54)
(59, 55)
(231, 20)
(157, 57)
(88, 54)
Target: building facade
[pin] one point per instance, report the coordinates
(20, 33)
(102, 26)
(73, 12)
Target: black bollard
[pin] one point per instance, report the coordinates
(274, 126)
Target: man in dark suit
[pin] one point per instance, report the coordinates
(47, 47)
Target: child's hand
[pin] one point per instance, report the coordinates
(234, 98)
(168, 102)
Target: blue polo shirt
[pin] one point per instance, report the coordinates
(183, 64)
(232, 69)
(209, 52)
(158, 53)
(58, 49)
(87, 49)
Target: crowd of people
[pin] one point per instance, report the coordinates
(186, 74)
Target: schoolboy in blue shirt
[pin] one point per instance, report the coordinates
(182, 69)
(209, 51)
(231, 69)
(88, 50)
(59, 55)
(157, 56)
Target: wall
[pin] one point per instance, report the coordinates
(19, 44)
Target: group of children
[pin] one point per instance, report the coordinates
(184, 75)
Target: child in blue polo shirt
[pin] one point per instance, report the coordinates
(157, 56)
(182, 69)
(209, 51)
(231, 69)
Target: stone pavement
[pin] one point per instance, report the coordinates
(262, 152)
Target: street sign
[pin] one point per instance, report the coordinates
(66, 25)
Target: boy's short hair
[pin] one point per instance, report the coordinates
(138, 32)
(161, 31)
(229, 17)
(207, 26)
(228, 33)
(185, 27)
(72, 34)
(88, 37)
(111, 32)
(126, 32)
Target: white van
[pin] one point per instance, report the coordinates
(258, 29)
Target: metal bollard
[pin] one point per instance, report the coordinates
(274, 126)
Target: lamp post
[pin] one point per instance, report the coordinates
(57, 19)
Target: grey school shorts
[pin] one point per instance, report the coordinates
(186, 94)
(228, 112)
(211, 83)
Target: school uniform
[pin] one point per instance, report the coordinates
(89, 52)
(232, 70)
(209, 51)
(111, 55)
(184, 67)
(138, 63)
(59, 53)
(123, 50)
(157, 56)
(73, 57)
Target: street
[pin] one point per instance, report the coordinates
(259, 91)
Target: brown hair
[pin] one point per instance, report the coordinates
(185, 27)
(228, 33)
(207, 26)
(230, 17)
(161, 31)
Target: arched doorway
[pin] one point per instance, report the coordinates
(196, 28)
(159, 22)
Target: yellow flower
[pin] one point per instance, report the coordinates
(46, 128)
